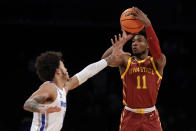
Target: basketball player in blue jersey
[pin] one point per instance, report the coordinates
(48, 103)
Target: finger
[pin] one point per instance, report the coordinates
(135, 10)
(115, 38)
(139, 11)
(112, 41)
(127, 53)
(119, 36)
(129, 36)
(124, 33)
(58, 109)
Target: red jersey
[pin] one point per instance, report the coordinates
(141, 82)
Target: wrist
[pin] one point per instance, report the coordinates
(110, 59)
(106, 60)
(42, 109)
(148, 24)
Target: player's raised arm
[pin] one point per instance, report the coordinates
(152, 39)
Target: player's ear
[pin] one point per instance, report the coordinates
(147, 45)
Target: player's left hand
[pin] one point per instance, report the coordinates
(51, 110)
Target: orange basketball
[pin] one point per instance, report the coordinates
(129, 23)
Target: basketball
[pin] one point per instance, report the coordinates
(129, 23)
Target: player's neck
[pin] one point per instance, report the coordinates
(59, 83)
(141, 57)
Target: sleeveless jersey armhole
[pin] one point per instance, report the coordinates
(153, 64)
(127, 68)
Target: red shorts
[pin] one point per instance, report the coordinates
(131, 121)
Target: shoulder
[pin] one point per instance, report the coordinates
(124, 66)
(47, 86)
(125, 58)
(47, 89)
(161, 62)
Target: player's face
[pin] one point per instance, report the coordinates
(139, 44)
(63, 70)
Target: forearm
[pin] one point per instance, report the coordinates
(33, 105)
(91, 70)
(108, 52)
(153, 42)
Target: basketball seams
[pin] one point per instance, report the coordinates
(128, 19)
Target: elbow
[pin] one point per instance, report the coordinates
(25, 107)
(102, 57)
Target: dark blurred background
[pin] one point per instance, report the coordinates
(81, 30)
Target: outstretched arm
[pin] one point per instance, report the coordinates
(152, 39)
(111, 59)
(88, 72)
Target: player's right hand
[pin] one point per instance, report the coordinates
(51, 110)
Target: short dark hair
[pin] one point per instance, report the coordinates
(142, 32)
(46, 64)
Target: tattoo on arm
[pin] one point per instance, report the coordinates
(70, 87)
(33, 105)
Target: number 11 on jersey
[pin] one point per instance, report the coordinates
(139, 82)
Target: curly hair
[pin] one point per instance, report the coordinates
(46, 65)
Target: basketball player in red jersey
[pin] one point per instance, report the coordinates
(141, 76)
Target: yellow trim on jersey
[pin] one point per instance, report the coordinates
(129, 63)
(124, 102)
(141, 61)
(121, 119)
(153, 64)
(124, 93)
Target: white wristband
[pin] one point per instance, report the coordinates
(91, 70)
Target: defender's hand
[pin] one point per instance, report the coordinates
(121, 40)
